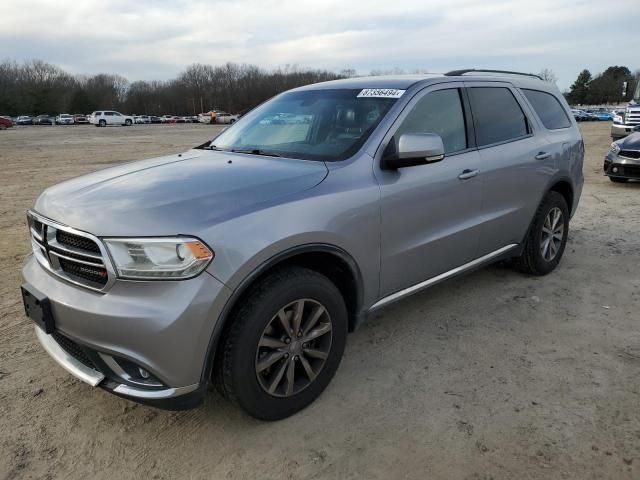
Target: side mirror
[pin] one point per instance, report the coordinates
(414, 149)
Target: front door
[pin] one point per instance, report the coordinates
(429, 213)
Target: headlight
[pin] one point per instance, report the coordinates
(158, 258)
(615, 148)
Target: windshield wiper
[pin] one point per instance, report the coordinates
(255, 151)
(213, 147)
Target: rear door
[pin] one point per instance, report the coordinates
(514, 159)
(430, 213)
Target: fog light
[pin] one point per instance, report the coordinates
(614, 169)
(143, 373)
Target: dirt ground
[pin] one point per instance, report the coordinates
(495, 375)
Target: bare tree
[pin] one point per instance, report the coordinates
(548, 76)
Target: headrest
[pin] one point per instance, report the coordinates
(346, 117)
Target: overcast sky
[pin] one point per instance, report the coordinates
(145, 40)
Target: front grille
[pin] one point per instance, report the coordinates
(631, 171)
(82, 271)
(73, 255)
(76, 241)
(73, 349)
(632, 117)
(629, 153)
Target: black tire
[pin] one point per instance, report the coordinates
(127, 123)
(532, 260)
(237, 364)
(618, 180)
(102, 123)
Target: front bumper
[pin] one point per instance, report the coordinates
(624, 167)
(619, 130)
(163, 327)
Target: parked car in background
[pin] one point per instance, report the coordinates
(622, 163)
(24, 120)
(43, 120)
(80, 119)
(109, 117)
(142, 119)
(226, 118)
(628, 120)
(155, 119)
(5, 122)
(64, 119)
(167, 119)
(207, 117)
(602, 115)
(245, 262)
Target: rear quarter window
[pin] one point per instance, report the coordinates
(548, 108)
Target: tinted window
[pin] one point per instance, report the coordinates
(548, 109)
(438, 112)
(109, 114)
(497, 115)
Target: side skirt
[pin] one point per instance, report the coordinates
(495, 255)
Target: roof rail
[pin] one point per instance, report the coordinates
(455, 73)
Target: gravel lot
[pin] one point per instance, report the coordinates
(492, 376)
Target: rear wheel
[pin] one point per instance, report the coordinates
(285, 344)
(102, 123)
(547, 237)
(618, 180)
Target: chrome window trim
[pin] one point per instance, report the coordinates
(54, 268)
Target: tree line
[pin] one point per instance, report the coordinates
(604, 88)
(37, 87)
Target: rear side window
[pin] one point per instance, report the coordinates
(438, 112)
(548, 109)
(497, 115)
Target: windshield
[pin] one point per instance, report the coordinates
(326, 125)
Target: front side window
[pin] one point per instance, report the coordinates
(325, 125)
(497, 115)
(548, 108)
(438, 112)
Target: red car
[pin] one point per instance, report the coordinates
(5, 122)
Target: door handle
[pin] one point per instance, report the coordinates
(542, 155)
(467, 173)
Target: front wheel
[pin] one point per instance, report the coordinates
(285, 343)
(547, 237)
(127, 123)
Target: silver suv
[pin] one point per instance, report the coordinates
(245, 262)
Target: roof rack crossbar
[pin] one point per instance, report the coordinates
(455, 73)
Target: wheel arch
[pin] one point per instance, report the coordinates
(563, 187)
(332, 261)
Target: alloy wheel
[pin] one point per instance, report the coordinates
(293, 348)
(552, 234)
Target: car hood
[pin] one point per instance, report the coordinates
(630, 142)
(176, 194)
